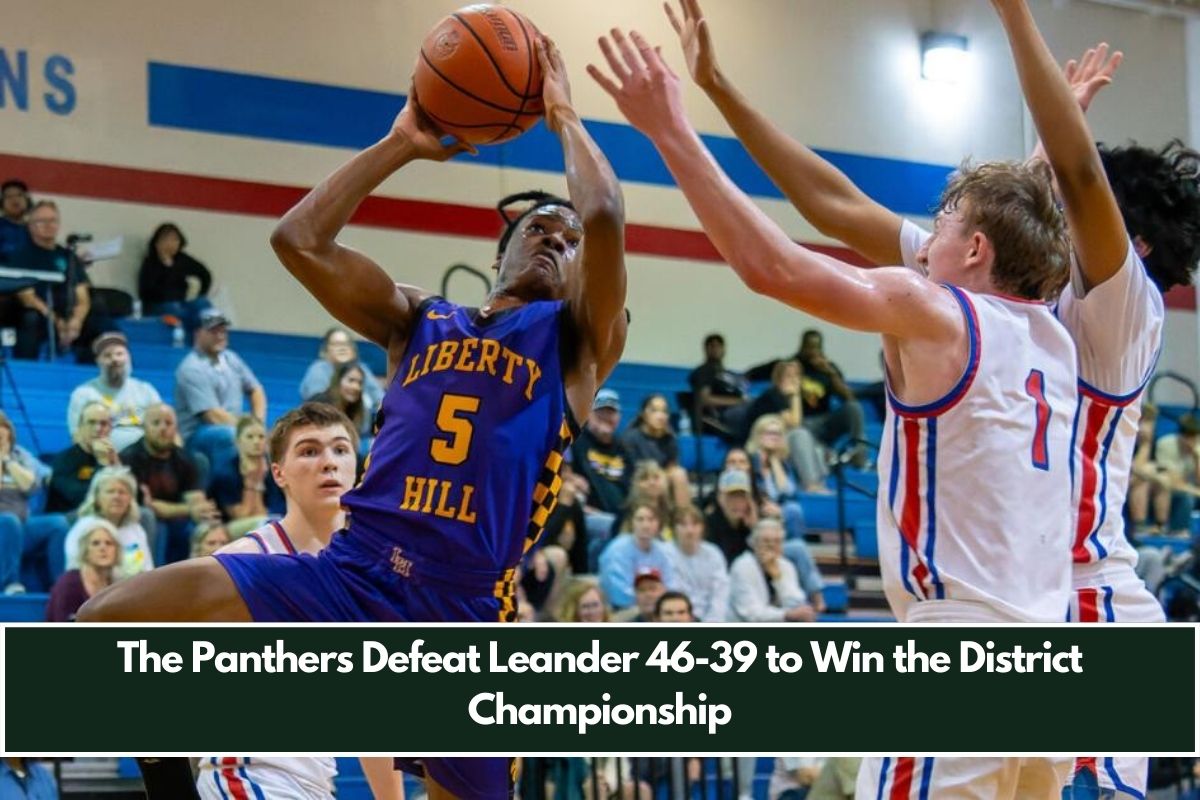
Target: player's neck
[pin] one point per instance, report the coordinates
(311, 529)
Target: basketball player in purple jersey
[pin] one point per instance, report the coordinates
(480, 407)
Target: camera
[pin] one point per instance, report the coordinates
(78, 238)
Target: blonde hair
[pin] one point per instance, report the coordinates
(575, 592)
(204, 529)
(90, 506)
(99, 524)
(752, 446)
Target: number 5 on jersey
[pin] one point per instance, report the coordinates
(1035, 387)
(453, 418)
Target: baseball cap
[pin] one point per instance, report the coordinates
(109, 338)
(607, 398)
(733, 480)
(213, 318)
(646, 573)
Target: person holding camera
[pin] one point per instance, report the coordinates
(76, 324)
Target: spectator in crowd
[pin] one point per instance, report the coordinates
(76, 324)
(99, 557)
(733, 516)
(1149, 483)
(544, 576)
(821, 383)
(169, 483)
(763, 585)
(783, 398)
(650, 438)
(792, 778)
(566, 526)
(21, 475)
(338, 347)
(719, 393)
(673, 607)
(165, 277)
(126, 396)
(345, 393)
(73, 468)
(243, 486)
(26, 779)
(208, 538)
(649, 486)
(211, 386)
(585, 602)
(648, 586)
(632, 552)
(601, 466)
(700, 569)
(14, 233)
(774, 473)
(112, 496)
(1178, 456)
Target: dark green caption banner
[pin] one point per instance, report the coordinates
(530, 688)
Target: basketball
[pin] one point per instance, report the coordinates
(478, 76)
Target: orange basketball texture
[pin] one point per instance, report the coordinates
(478, 76)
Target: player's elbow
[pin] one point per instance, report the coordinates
(606, 215)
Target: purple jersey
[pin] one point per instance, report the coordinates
(464, 468)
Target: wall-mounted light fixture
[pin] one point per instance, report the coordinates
(943, 57)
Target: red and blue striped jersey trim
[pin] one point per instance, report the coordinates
(283, 537)
(918, 570)
(231, 779)
(902, 777)
(951, 398)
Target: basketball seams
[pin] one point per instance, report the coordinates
(466, 93)
(529, 62)
(487, 51)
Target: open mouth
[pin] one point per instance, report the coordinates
(332, 484)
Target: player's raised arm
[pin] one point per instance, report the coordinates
(1094, 219)
(597, 295)
(824, 195)
(893, 301)
(351, 286)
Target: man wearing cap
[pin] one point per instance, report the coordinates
(730, 522)
(125, 396)
(602, 466)
(211, 386)
(648, 587)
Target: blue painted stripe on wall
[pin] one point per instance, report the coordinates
(261, 107)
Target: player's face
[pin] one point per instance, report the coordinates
(113, 500)
(675, 610)
(944, 255)
(541, 250)
(318, 466)
(645, 524)
(591, 607)
(101, 549)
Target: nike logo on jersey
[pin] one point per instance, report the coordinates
(436, 315)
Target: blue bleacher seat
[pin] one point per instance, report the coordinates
(866, 537)
(29, 607)
(711, 457)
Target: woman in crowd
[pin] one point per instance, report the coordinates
(163, 279)
(649, 486)
(99, 557)
(650, 438)
(111, 497)
(21, 474)
(585, 602)
(784, 399)
(338, 347)
(346, 392)
(639, 547)
(208, 537)
(773, 474)
(763, 585)
(243, 487)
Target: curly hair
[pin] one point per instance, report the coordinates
(536, 199)
(1013, 204)
(1159, 195)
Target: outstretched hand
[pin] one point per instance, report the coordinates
(556, 86)
(415, 126)
(645, 88)
(696, 41)
(1092, 72)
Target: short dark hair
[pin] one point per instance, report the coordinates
(12, 183)
(315, 415)
(536, 199)
(714, 337)
(1158, 192)
(667, 596)
(162, 230)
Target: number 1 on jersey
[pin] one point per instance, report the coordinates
(450, 420)
(1035, 387)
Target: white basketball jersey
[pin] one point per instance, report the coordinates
(975, 489)
(237, 778)
(1118, 329)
